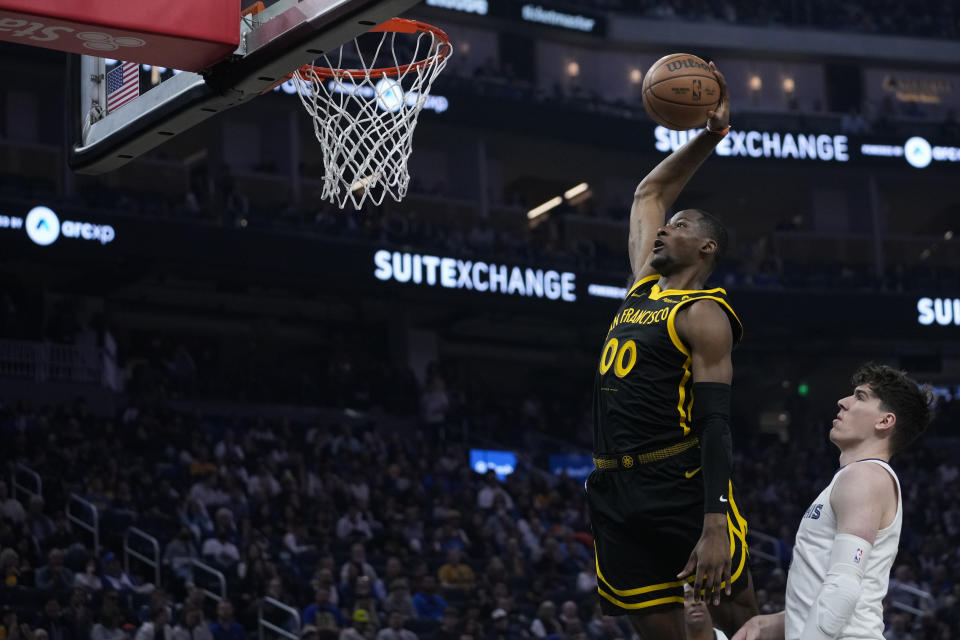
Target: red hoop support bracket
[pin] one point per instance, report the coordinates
(396, 25)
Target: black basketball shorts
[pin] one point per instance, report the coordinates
(646, 520)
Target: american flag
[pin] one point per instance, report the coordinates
(123, 85)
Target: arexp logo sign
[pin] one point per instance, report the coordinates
(917, 151)
(44, 227)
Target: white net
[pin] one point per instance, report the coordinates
(364, 121)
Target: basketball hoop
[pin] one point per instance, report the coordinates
(364, 116)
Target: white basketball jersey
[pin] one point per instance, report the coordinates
(811, 555)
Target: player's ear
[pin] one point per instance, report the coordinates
(886, 423)
(708, 246)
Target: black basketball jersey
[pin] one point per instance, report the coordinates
(643, 395)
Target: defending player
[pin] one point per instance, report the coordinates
(848, 538)
(660, 498)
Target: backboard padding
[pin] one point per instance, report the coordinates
(288, 35)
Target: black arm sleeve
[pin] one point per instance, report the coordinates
(711, 422)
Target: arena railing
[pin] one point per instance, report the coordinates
(263, 623)
(209, 571)
(21, 470)
(129, 552)
(759, 538)
(93, 527)
(44, 362)
(922, 596)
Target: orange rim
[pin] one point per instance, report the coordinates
(396, 25)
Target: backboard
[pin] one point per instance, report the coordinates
(273, 43)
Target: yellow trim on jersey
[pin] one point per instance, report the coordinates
(682, 394)
(639, 605)
(638, 590)
(685, 413)
(643, 280)
(656, 292)
(671, 320)
(741, 533)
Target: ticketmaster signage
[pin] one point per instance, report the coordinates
(553, 18)
(470, 275)
(479, 7)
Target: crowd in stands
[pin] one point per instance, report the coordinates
(375, 529)
(926, 18)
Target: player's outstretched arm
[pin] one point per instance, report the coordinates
(704, 327)
(658, 190)
(766, 627)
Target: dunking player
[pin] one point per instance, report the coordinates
(848, 538)
(660, 498)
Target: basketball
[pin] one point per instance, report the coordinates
(679, 91)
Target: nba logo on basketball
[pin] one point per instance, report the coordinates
(858, 556)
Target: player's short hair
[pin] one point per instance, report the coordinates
(714, 229)
(903, 397)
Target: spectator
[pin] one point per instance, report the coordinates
(225, 627)
(322, 613)
(361, 629)
(357, 564)
(115, 578)
(546, 622)
(395, 630)
(10, 567)
(207, 492)
(89, 579)
(502, 628)
(179, 552)
(264, 481)
(570, 617)
(109, 627)
(353, 524)
(194, 516)
(399, 599)
(490, 491)
(428, 604)
(62, 536)
(228, 447)
(324, 577)
(854, 123)
(359, 490)
(899, 628)
(192, 625)
(587, 578)
(158, 600)
(363, 598)
(10, 626)
(221, 551)
(41, 526)
(157, 627)
(10, 507)
(78, 615)
(455, 574)
(450, 628)
(54, 576)
(296, 540)
(51, 622)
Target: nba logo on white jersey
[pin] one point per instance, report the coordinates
(858, 556)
